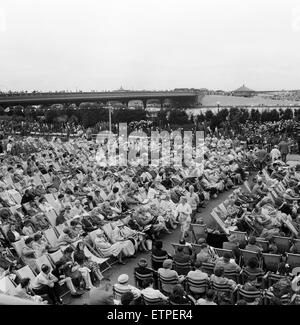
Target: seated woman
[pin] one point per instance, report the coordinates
(118, 236)
(29, 254)
(179, 297)
(65, 238)
(44, 205)
(138, 238)
(218, 278)
(168, 207)
(70, 269)
(28, 228)
(84, 261)
(40, 221)
(13, 234)
(107, 249)
(158, 222)
(253, 272)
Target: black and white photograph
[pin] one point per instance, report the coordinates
(149, 156)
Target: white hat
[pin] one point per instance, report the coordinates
(123, 278)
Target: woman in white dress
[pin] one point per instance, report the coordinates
(108, 249)
(184, 211)
(117, 237)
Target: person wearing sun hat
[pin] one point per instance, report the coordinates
(123, 285)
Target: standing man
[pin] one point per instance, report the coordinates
(284, 149)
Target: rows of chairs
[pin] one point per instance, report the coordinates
(198, 288)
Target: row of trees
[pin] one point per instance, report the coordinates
(89, 114)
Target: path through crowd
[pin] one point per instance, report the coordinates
(167, 239)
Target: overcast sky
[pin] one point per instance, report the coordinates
(149, 44)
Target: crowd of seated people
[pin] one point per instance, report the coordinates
(65, 218)
(59, 203)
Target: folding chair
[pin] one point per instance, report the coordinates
(182, 268)
(26, 272)
(232, 275)
(241, 236)
(15, 195)
(4, 229)
(47, 178)
(245, 274)
(8, 180)
(51, 216)
(282, 243)
(263, 244)
(18, 246)
(51, 237)
(272, 278)
(56, 256)
(157, 261)
(228, 246)
(53, 202)
(275, 195)
(296, 246)
(16, 208)
(208, 268)
(198, 231)
(220, 252)
(43, 260)
(220, 223)
(37, 180)
(102, 261)
(117, 292)
(93, 234)
(284, 300)
(246, 184)
(7, 286)
(249, 295)
(151, 301)
(108, 230)
(196, 287)
(271, 261)
(293, 260)
(222, 288)
(247, 255)
(196, 248)
(139, 278)
(163, 281)
(186, 249)
(271, 198)
(26, 206)
(59, 229)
